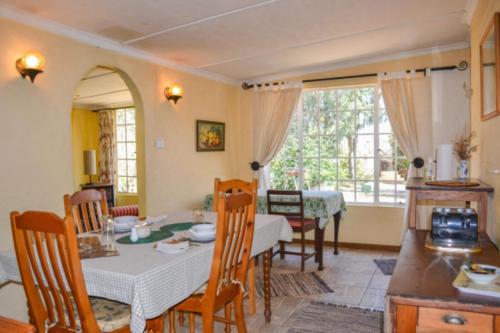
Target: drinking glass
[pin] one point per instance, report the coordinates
(108, 233)
(198, 215)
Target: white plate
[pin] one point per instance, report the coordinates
(202, 238)
(125, 219)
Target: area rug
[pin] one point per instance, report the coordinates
(293, 284)
(320, 317)
(386, 265)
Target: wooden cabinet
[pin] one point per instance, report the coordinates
(422, 298)
(109, 188)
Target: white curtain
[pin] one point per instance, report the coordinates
(273, 107)
(409, 108)
(107, 146)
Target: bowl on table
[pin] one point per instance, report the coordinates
(143, 231)
(202, 232)
(481, 274)
(125, 223)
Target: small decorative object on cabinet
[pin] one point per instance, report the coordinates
(210, 135)
(109, 188)
(463, 149)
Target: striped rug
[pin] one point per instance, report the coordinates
(294, 284)
(320, 317)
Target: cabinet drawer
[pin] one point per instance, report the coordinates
(443, 320)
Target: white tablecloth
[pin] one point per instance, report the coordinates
(152, 282)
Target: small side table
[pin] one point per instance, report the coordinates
(109, 188)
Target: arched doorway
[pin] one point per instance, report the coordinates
(107, 123)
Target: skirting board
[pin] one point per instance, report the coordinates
(361, 246)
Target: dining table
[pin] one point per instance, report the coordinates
(324, 205)
(152, 281)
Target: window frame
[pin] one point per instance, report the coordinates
(126, 142)
(377, 157)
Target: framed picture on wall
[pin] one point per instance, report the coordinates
(490, 70)
(210, 136)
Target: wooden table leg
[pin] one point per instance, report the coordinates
(268, 256)
(251, 287)
(319, 238)
(336, 220)
(482, 207)
(412, 224)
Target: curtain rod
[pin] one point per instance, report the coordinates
(462, 66)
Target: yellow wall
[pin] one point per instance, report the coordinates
(85, 136)
(363, 224)
(35, 131)
(488, 158)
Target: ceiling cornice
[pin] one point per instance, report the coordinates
(37, 22)
(358, 62)
(470, 8)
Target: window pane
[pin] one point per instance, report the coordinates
(120, 117)
(386, 191)
(131, 133)
(364, 192)
(311, 146)
(365, 122)
(365, 145)
(346, 98)
(327, 122)
(122, 184)
(131, 168)
(364, 98)
(346, 133)
(384, 126)
(364, 168)
(284, 174)
(386, 145)
(132, 185)
(386, 168)
(131, 150)
(120, 133)
(121, 150)
(311, 174)
(130, 116)
(328, 174)
(347, 188)
(122, 168)
(402, 167)
(346, 168)
(327, 100)
(328, 146)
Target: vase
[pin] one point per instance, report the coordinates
(463, 169)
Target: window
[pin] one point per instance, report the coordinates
(341, 139)
(126, 151)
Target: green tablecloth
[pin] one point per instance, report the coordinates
(322, 204)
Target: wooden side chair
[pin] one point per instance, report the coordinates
(87, 207)
(291, 205)
(8, 325)
(47, 255)
(234, 186)
(233, 243)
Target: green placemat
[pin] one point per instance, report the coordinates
(155, 237)
(183, 226)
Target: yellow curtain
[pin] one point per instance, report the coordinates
(107, 146)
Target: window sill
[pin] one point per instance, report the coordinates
(379, 205)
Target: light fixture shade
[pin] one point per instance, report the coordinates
(174, 93)
(31, 64)
(89, 162)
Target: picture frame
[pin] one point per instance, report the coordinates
(210, 136)
(489, 55)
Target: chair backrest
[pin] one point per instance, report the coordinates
(287, 203)
(222, 188)
(233, 244)
(87, 207)
(49, 264)
(8, 325)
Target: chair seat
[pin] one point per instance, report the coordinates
(110, 315)
(296, 223)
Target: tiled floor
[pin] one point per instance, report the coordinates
(352, 274)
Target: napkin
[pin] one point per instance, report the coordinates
(172, 246)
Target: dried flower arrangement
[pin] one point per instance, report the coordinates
(463, 147)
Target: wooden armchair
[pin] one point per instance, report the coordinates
(49, 265)
(86, 207)
(233, 243)
(8, 325)
(291, 205)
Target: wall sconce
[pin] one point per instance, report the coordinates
(173, 93)
(30, 64)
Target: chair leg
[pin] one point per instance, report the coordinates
(181, 318)
(251, 287)
(303, 250)
(171, 320)
(282, 250)
(239, 313)
(227, 316)
(191, 322)
(208, 322)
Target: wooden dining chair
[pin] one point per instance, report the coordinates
(291, 205)
(87, 207)
(234, 186)
(8, 325)
(51, 273)
(233, 243)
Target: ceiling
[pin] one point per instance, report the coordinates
(102, 88)
(249, 39)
